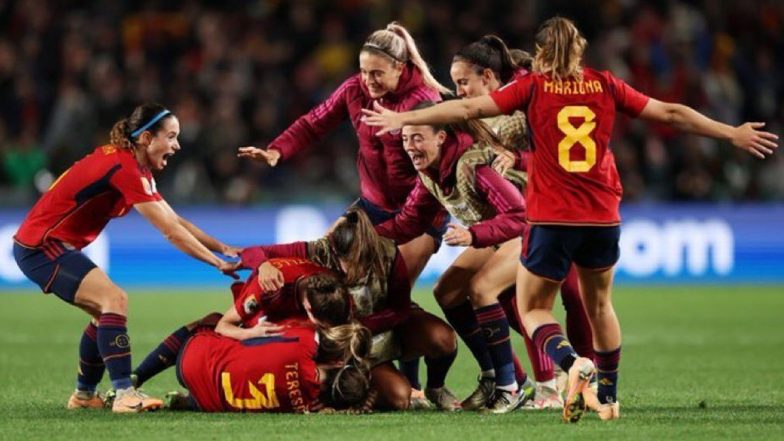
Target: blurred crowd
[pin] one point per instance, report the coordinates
(239, 72)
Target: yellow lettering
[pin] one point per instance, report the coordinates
(598, 86)
(581, 85)
(559, 87)
(568, 88)
(548, 87)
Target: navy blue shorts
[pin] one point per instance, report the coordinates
(378, 215)
(55, 267)
(549, 250)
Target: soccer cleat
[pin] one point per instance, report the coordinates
(443, 399)
(504, 401)
(418, 401)
(545, 397)
(133, 401)
(527, 390)
(580, 375)
(85, 400)
(177, 400)
(481, 395)
(607, 411)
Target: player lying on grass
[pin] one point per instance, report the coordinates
(377, 279)
(309, 293)
(301, 368)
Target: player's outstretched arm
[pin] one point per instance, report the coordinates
(269, 155)
(746, 136)
(208, 241)
(229, 326)
(166, 221)
(447, 112)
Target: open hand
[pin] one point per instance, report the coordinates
(382, 117)
(229, 269)
(503, 162)
(270, 156)
(757, 142)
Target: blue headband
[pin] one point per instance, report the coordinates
(149, 124)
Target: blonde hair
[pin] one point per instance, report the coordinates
(396, 43)
(559, 49)
(349, 343)
(355, 240)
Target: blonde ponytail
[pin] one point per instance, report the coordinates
(416, 58)
(348, 343)
(559, 49)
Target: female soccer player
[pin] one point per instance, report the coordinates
(284, 373)
(310, 293)
(574, 192)
(455, 172)
(375, 273)
(479, 69)
(103, 185)
(392, 71)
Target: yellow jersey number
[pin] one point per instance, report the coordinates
(576, 135)
(266, 399)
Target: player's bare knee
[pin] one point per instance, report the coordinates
(442, 339)
(115, 300)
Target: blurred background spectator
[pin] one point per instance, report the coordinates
(238, 72)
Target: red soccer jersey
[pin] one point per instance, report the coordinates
(252, 302)
(103, 185)
(572, 179)
(268, 374)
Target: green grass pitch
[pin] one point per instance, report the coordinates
(698, 363)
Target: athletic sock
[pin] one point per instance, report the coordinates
(463, 320)
(91, 365)
(115, 348)
(410, 369)
(495, 329)
(607, 367)
(437, 369)
(550, 339)
(162, 357)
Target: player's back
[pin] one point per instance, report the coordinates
(572, 174)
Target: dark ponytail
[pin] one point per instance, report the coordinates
(490, 52)
(478, 130)
(146, 117)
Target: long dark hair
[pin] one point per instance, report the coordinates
(329, 299)
(355, 241)
(478, 130)
(122, 133)
(490, 52)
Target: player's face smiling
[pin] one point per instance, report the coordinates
(163, 144)
(423, 145)
(379, 74)
(468, 83)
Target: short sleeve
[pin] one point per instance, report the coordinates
(514, 95)
(627, 99)
(135, 186)
(248, 303)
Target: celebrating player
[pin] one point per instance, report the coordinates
(479, 69)
(103, 185)
(456, 173)
(574, 192)
(375, 272)
(283, 373)
(310, 293)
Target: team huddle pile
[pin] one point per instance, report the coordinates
(522, 162)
